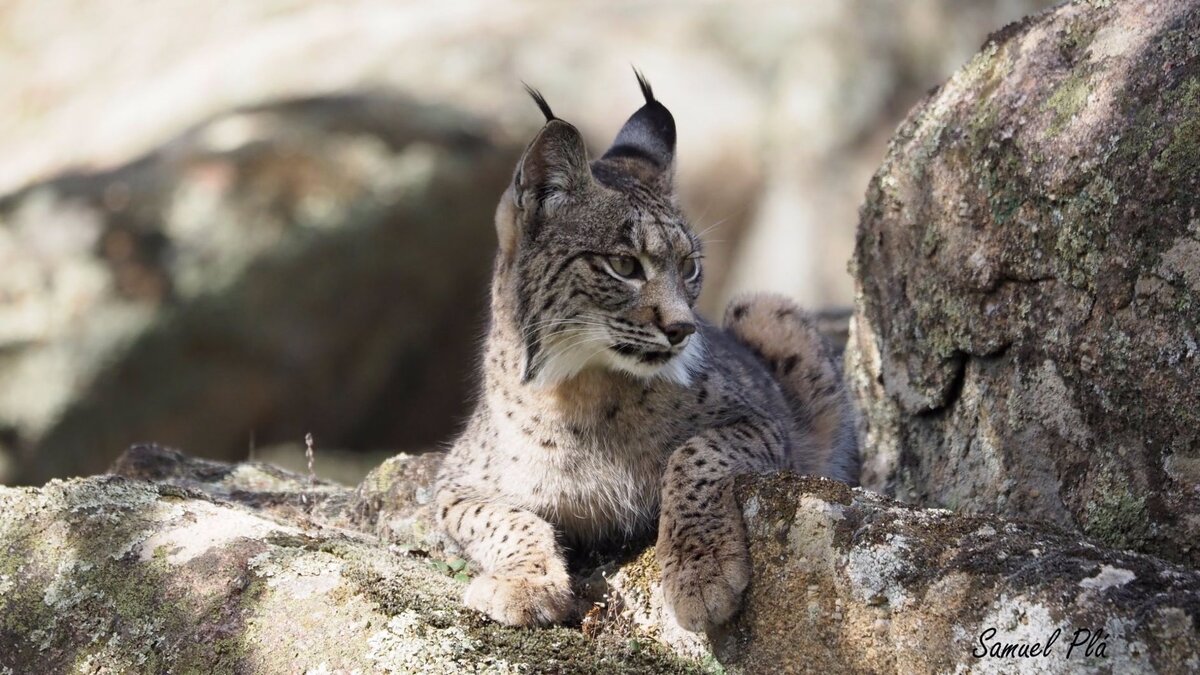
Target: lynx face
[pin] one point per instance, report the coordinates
(604, 267)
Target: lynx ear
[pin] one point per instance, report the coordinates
(553, 168)
(648, 137)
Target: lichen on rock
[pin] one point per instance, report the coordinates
(196, 574)
(201, 570)
(1026, 327)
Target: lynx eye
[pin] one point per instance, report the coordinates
(689, 268)
(625, 266)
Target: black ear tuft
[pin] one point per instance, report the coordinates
(541, 102)
(648, 136)
(645, 85)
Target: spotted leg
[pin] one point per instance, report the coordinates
(524, 580)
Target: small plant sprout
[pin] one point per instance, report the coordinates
(310, 455)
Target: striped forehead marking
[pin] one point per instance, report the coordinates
(656, 236)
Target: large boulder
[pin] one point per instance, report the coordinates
(179, 564)
(315, 265)
(1027, 330)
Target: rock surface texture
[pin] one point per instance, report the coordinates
(1027, 331)
(175, 564)
(239, 569)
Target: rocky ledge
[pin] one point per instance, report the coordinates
(173, 564)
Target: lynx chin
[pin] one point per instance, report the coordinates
(608, 407)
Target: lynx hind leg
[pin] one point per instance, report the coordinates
(786, 338)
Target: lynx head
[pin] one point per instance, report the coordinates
(600, 265)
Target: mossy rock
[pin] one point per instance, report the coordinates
(1027, 334)
(200, 572)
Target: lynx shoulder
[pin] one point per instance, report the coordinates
(608, 407)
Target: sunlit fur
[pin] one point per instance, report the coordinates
(591, 427)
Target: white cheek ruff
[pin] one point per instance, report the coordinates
(681, 368)
(678, 370)
(574, 352)
(570, 352)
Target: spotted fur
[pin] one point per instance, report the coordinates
(608, 406)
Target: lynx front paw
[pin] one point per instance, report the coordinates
(521, 601)
(703, 577)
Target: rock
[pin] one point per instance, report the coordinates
(850, 581)
(1028, 316)
(199, 574)
(314, 265)
(394, 501)
(261, 487)
(248, 568)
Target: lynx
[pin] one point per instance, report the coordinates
(607, 405)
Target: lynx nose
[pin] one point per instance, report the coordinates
(676, 332)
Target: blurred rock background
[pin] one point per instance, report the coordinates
(223, 225)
